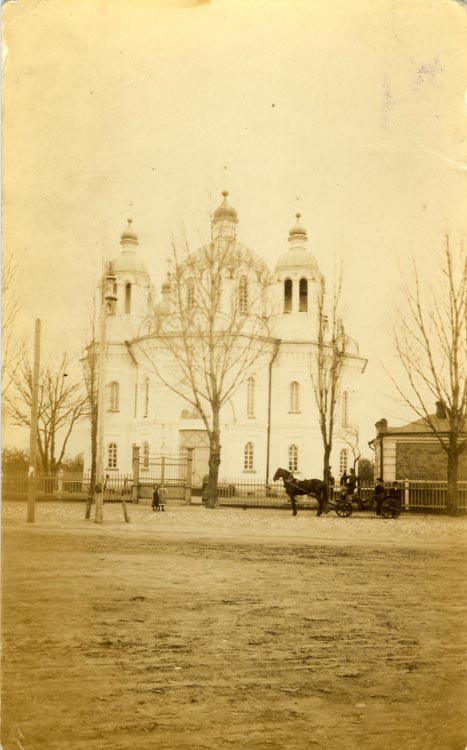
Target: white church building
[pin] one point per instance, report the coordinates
(271, 419)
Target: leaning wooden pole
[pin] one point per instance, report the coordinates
(32, 485)
(99, 485)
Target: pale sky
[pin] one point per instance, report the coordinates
(353, 113)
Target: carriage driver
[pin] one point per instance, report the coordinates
(351, 483)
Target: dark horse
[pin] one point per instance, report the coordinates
(314, 487)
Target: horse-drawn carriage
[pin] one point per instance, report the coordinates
(341, 502)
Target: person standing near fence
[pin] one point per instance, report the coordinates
(379, 494)
(155, 498)
(162, 497)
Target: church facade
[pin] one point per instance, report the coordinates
(271, 418)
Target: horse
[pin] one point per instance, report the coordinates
(314, 487)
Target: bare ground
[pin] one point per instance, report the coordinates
(232, 629)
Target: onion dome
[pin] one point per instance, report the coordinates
(225, 212)
(128, 261)
(297, 257)
(129, 236)
(298, 231)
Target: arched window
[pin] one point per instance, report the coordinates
(248, 457)
(114, 396)
(294, 396)
(127, 298)
(112, 456)
(250, 397)
(293, 458)
(345, 409)
(243, 295)
(190, 294)
(146, 397)
(303, 296)
(145, 455)
(342, 461)
(288, 295)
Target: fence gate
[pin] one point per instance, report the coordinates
(173, 472)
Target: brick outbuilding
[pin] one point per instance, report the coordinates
(413, 451)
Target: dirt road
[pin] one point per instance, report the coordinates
(232, 629)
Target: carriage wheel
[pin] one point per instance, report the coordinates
(344, 510)
(391, 509)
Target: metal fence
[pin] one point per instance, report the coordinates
(166, 469)
(65, 485)
(416, 495)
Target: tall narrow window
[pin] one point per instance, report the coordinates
(127, 298)
(342, 461)
(288, 295)
(345, 409)
(248, 457)
(243, 295)
(145, 455)
(294, 396)
(190, 294)
(146, 397)
(303, 296)
(114, 396)
(293, 458)
(250, 397)
(112, 456)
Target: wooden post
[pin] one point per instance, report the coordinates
(189, 475)
(34, 419)
(99, 488)
(125, 512)
(135, 462)
(406, 494)
(60, 484)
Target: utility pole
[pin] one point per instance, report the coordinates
(107, 298)
(34, 418)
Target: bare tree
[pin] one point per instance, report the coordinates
(327, 363)
(213, 332)
(12, 348)
(431, 342)
(61, 405)
(90, 369)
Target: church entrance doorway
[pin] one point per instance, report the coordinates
(199, 441)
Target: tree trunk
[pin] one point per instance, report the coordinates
(452, 498)
(92, 480)
(327, 457)
(214, 461)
